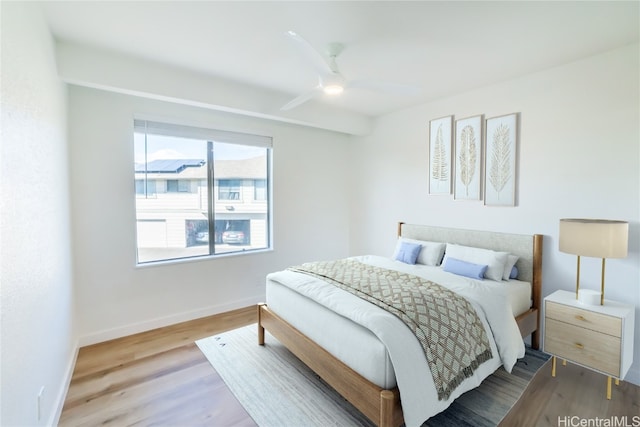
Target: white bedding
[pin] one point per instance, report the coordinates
(393, 352)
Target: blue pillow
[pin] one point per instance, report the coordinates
(408, 252)
(514, 273)
(464, 268)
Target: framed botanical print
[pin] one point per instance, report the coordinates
(501, 140)
(467, 184)
(440, 132)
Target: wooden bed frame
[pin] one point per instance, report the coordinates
(380, 405)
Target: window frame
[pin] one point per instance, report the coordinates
(208, 136)
(229, 192)
(262, 190)
(181, 186)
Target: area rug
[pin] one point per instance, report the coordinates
(278, 390)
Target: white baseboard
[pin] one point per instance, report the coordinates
(147, 325)
(54, 419)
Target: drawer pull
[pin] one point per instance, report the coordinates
(578, 345)
(580, 317)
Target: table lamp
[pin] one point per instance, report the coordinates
(598, 238)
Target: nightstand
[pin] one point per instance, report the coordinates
(598, 337)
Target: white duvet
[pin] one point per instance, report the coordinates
(418, 393)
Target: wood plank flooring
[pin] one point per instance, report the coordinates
(158, 378)
(574, 392)
(161, 378)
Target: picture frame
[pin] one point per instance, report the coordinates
(468, 164)
(501, 148)
(440, 167)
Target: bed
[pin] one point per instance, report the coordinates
(311, 323)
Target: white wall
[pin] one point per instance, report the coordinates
(38, 339)
(115, 298)
(579, 157)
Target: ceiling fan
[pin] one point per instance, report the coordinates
(330, 80)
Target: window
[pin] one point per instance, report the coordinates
(145, 188)
(229, 189)
(177, 186)
(260, 189)
(189, 185)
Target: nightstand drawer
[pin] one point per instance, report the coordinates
(586, 347)
(584, 318)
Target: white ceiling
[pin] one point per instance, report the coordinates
(442, 47)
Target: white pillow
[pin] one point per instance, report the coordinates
(430, 254)
(495, 261)
(508, 266)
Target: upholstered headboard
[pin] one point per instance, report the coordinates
(521, 245)
(528, 248)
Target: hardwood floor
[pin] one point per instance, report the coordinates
(161, 378)
(156, 378)
(574, 392)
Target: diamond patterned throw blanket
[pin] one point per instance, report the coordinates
(446, 325)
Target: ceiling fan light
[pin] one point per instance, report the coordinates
(333, 89)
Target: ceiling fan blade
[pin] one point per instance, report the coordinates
(300, 99)
(315, 58)
(378, 86)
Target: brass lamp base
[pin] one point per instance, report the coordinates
(578, 277)
(601, 280)
(602, 285)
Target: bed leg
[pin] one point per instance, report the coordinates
(387, 403)
(260, 327)
(535, 339)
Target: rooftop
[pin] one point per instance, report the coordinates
(251, 168)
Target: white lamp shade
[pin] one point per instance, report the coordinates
(598, 238)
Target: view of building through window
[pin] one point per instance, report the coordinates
(184, 207)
